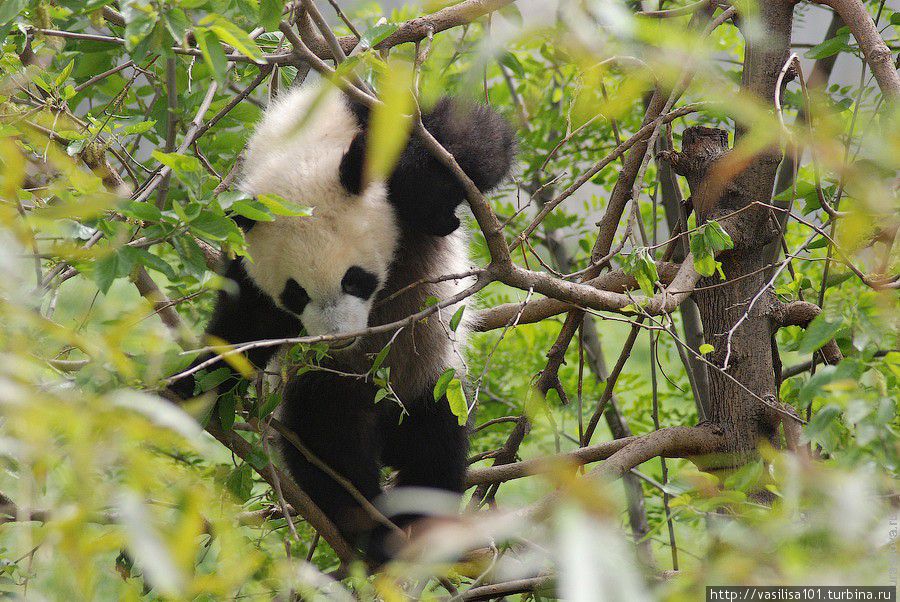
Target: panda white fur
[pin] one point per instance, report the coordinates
(339, 270)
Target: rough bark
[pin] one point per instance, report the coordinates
(745, 420)
(690, 316)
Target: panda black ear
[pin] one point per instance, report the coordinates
(352, 165)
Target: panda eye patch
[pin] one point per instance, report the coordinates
(359, 282)
(294, 297)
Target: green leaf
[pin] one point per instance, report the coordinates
(177, 24)
(709, 240)
(457, 399)
(511, 62)
(108, 269)
(379, 359)
(186, 213)
(213, 54)
(64, 74)
(825, 427)
(231, 34)
(641, 266)
(270, 13)
(457, 318)
(829, 47)
(230, 197)
(140, 19)
(440, 387)
(213, 379)
(705, 264)
(269, 406)
(716, 236)
(177, 162)
(253, 210)
(258, 459)
(706, 348)
(226, 408)
(240, 482)
(191, 255)
(281, 206)
(143, 211)
(817, 333)
(75, 147)
(9, 9)
(818, 243)
(138, 128)
(149, 260)
(381, 394)
(816, 383)
(377, 34)
(213, 226)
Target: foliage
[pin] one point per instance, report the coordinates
(131, 499)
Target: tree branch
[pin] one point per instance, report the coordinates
(295, 496)
(527, 468)
(500, 590)
(876, 51)
(615, 281)
(801, 313)
(163, 307)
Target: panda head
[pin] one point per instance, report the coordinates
(326, 269)
(310, 148)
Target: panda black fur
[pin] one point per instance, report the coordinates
(328, 272)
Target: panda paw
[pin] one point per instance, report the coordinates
(441, 225)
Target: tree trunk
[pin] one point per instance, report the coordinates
(743, 393)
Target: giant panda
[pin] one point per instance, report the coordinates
(350, 265)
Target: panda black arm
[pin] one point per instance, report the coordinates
(242, 316)
(424, 191)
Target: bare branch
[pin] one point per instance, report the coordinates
(295, 496)
(615, 281)
(500, 590)
(801, 313)
(876, 51)
(611, 383)
(163, 306)
(578, 457)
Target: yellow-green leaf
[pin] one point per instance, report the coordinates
(231, 34)
(391, 122)
(457, 399)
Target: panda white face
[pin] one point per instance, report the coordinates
(346, 310)
(326, 268)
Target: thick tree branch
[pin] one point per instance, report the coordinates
(698, 442)
(500, 590)
(801, 313)
(615, 281)
(413, 30)
(674, 442)
(526, 468)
